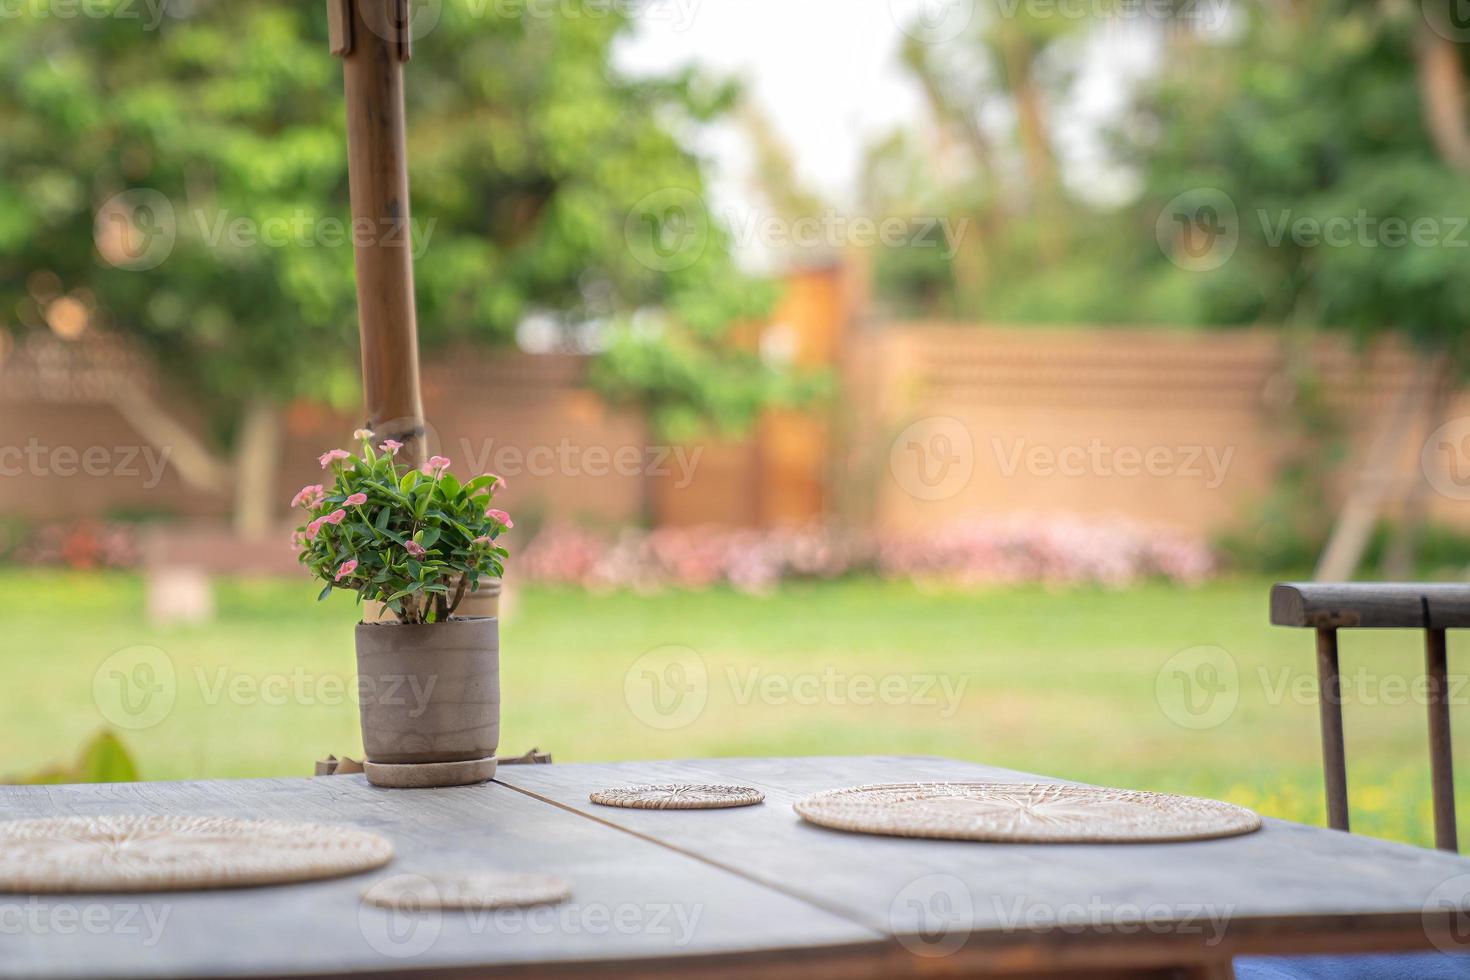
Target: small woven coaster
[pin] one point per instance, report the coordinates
(176, 853)
(481, 891)
(678, 797)
(1025, 813)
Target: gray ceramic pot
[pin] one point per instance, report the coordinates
(429, 693)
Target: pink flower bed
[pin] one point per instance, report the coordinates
(82, 545)
(1047, 551)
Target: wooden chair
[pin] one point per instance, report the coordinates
(1328, 608)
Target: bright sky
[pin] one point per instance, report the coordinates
(824, 71)
(827, 75)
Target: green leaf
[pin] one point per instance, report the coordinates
(325, 592)
(104, 759)
(415, 587)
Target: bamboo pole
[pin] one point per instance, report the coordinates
(373, 40)
(371, 37)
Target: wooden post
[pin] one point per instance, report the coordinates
(372, 38)
(1436, 663)
(1334, 756)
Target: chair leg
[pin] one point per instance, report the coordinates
(1329, 700)
(1436, 669)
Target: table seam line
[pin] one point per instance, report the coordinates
(887, 938)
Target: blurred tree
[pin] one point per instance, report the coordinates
(1036, 249)
(1300, 164)
(1335, 134)
(184, 182)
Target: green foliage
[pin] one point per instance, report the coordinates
(1308, 118)
(415, 540)
(104, 759)
(1312, 123)
(528, 153)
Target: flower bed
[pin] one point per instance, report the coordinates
(1019, 551)
(1043, 550)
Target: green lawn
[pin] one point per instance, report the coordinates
(1076, 683)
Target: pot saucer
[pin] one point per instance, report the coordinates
(429, 775)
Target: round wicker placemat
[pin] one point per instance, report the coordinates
(678, 797)
(1025, 813)
(175, 853)
(478, 890)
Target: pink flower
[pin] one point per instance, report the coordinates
(335, 517)
(391, 446)
(333, 456)
(347, 568)
(363, 434)
(314, 527)
(501, 516)
(356, 500)
(308, 496)
(435, 466)
(498, 485)
(415, 550)
(485, 540)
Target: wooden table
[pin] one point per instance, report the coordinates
(753, 892)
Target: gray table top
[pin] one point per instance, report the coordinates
(729, 892)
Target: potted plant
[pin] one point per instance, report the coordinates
(417, 541)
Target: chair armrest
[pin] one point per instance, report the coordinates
(1371, 605)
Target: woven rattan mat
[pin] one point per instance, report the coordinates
(176, 853)
(1025, 812)
(678, 797)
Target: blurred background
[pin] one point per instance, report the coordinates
(869, 376)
